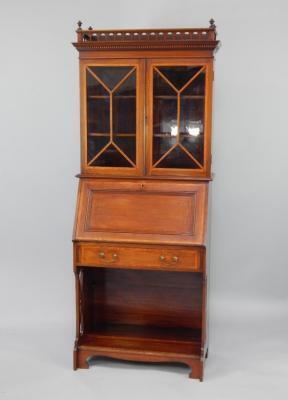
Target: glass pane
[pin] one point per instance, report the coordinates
(124, 115)
(161, 87)
(124, 106)
(181, 122)
(94, 88)
(178, 76)
(177, 159)
(102, 84)
(195, 147)
(111, 75)
(161, 145)
(98, 115)
(95, 145)
(127, 145)
(192, 126)
(165, 116)
(128, 87)
(111, 158)
(196, 87)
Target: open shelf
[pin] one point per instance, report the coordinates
(141, 311)
(143, 338)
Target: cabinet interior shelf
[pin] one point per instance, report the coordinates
(155, 97)
(169, 136)
(165, 135)
(174, 97)
(122, 96)
(145, 338)
(114, 134)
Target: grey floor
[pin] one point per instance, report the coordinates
(247, 360)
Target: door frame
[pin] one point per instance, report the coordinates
(204, 172)
(139, 65)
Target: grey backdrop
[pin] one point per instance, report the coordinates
(39, 156)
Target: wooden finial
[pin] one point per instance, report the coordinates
(212, 23)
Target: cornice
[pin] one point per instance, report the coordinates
(147, 39)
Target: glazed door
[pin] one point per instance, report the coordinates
(178, 110)
(112, 117)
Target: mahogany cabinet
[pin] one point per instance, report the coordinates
(140, 234)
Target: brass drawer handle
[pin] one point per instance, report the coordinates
(174, 259)
(101, 254)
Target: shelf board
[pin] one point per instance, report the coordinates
(114, 134)
(173, 97)
(169, 136)
(186, 341)
(182, 97)
(122, 96)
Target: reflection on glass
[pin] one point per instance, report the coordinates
(194, 131)
(191, 114)
(174, 130)
(192, 126)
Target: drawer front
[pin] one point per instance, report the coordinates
(103, 255)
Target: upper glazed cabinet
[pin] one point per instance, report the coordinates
(147, 116)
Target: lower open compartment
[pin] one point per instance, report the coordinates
(140, 315)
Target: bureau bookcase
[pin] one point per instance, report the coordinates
(140, 234)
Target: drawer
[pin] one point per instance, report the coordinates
(115, 256)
